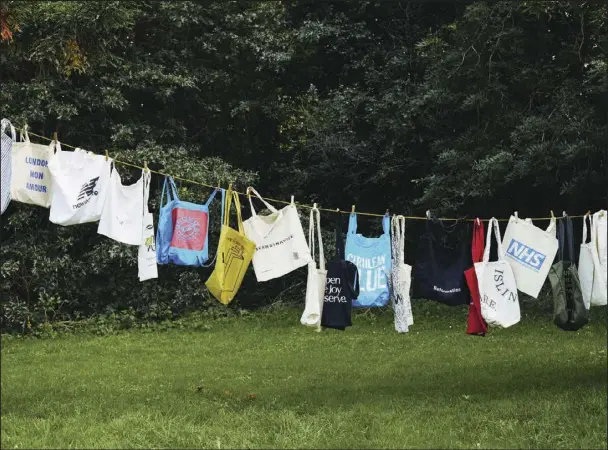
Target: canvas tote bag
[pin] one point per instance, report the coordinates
(531, 252)
(317, 276)
(497, 287)
(30, 177)
(5, 163)
(279, 239)
(80, 184)
(599, 230)
(372, 256)
(124, 208)
(401, 277)
(589, 268)
(146, 256)
(234, 255)
(475, 323)
(569, 312)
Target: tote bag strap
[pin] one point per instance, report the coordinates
(551, 226)
(569, 241)
(352, 223)
(584, 241)
(25, 137)
(212, 196)
(493, 225)
(315, 216)
(339, 238)
(239, 219)
(268, 205)
(5, 123)
(170, 190)
(217, 250)
(386, 224)
(477, 244)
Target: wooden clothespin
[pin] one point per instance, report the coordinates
(338, 210)
(588, 213)
(107, 155)
(55, 137)
(352, 211)
(146, 166)
(292, 200)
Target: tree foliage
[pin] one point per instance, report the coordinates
(467, 108)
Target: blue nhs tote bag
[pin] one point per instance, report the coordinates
(182, 237)
(372, 256)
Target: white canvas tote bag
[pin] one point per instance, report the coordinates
(589, 269)
(146, 257)
(279, 240)
(531, 252)
(80, 184)
(401, 278)
(31, 179)
(599, 228)
(497, 287)
(317, 276)
(5, 163)
(123, 211)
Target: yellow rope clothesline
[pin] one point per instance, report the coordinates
(124, 163)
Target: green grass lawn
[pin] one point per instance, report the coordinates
(266, 381)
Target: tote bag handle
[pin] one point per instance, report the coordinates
(5, 123)
(316, 216)
(566, 244)
(352, 223)
(268, 205)
(170, 190)
(493, 225)
(477, 244)
(230, 197)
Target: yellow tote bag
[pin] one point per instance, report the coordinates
(234, 255)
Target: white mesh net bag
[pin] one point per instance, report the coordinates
(401, 277)
(7, 145)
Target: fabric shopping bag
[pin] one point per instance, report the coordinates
(122, 217)
(183, 229)
(234, 255)
(569, 311)
(317, 275)
(401, 277)
(475, 323)
(372, 256)
(146, 256)
(30, 178)
(442, 257)
(599, 231)
(530, 251)
(279, 239)
(80, 184)
(6, 162)
(497, 287)
(589, 268)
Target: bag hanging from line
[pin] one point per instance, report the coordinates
(497, 287)
(341, 288)
(317, 275)
(80, 184)
(234, 255)
(30, 175)
(183, 229)
(372, 256)
(279, 239)
(600, 225)
(475, 323)
(531, 252)
(438, 272)
(569, 312)
(589, 268)
(124, 209)
(401, 277)
(146, 255)
(6, 162)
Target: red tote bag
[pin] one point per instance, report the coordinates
(476, 325)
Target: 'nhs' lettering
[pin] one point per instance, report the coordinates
(525, 255)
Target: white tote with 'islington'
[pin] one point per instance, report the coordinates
(31, 179)
(279, 240)
(80, 184)
(124, 209)
(530, 251)
(317, 276)
(497, 287)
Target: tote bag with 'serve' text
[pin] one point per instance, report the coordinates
(280, 245)
(372, 256)
(531, 252)
(497, 287)
(5, 163)
(31, 178)
(234, 255)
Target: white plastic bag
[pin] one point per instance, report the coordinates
(5, 163)
(31, 179)
(279, 239)
(317, 277)
(531, 252)
(80, 184)
(497, 287)
(123, 211)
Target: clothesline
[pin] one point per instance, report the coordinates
(336, 210)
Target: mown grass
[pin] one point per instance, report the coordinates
(265, 381)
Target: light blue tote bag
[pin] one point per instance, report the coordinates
(372, 256)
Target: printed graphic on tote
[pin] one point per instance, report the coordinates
(233, 263)
(149, 242)
(525, 255)
(189, 229)
(86, 191)
(36, 175)
(333, 291)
